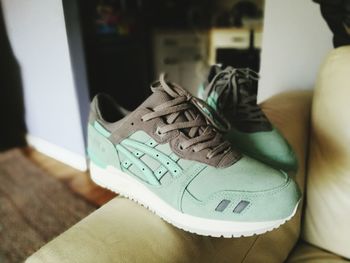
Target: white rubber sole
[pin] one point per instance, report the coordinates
(125, 185)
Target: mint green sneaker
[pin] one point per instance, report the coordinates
(168, 156)
(232, 93)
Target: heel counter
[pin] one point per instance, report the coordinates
(100, 149)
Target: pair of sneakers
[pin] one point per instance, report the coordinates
(217, 168)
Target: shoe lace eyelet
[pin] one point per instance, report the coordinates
(159, 132)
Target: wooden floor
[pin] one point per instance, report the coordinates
(79, 182)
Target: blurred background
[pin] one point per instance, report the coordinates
(55, 55)
(129, 43)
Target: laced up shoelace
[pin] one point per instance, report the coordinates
(235, 84)
(195, 125)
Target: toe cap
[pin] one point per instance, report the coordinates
(250, 191)
(265, 206)
(267, 146)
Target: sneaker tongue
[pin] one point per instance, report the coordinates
(164, 92)
(246, 88)
(160, 96)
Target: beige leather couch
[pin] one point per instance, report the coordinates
(122, 231)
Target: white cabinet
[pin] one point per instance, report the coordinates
(182, 55)
(231, 38)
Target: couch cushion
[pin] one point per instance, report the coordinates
(306, 253)
(327, 217)
(122, 231)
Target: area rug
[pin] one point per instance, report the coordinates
(34, 207)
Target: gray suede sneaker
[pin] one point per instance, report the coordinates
(169, 156)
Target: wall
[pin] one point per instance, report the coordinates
(37, 34)
(295, 42)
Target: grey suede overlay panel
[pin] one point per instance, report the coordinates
(133, 122)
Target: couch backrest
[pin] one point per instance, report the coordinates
(327, 216)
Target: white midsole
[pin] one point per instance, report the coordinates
(126, 185)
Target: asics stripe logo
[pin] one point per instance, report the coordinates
(133, 151)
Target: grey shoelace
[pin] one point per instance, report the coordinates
(231, 88)
(199, 131)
